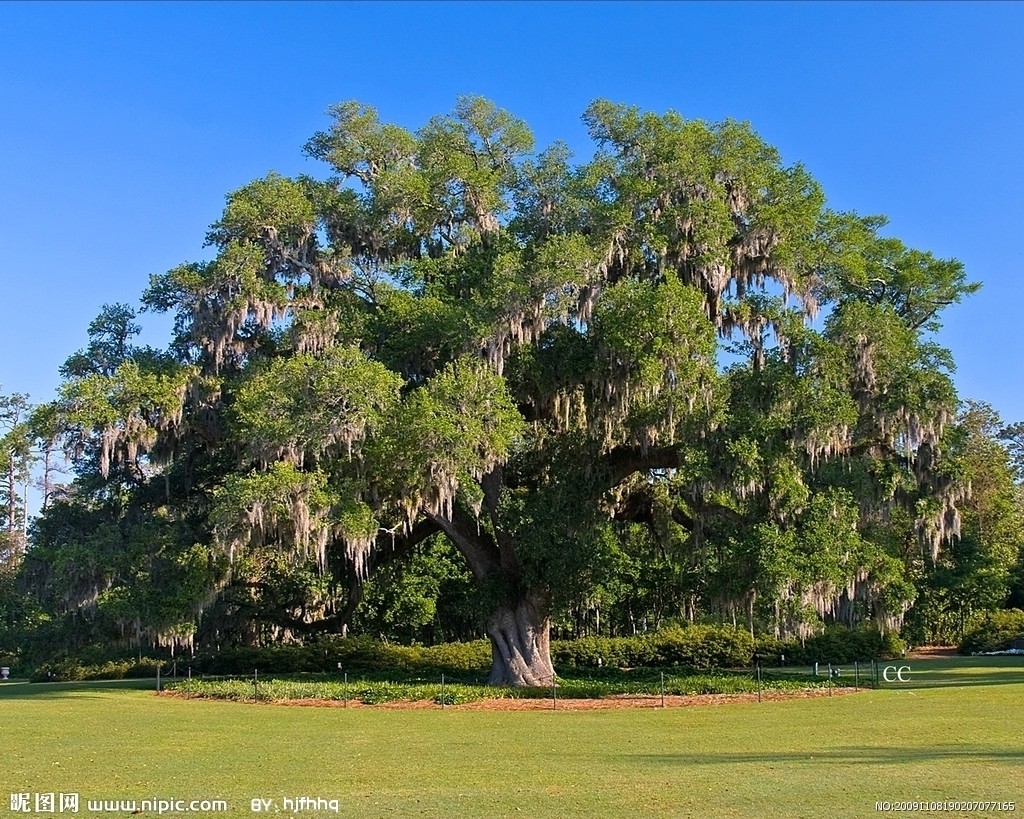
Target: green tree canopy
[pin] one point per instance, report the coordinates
(451, 334)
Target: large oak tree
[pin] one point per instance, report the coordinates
(456, 334)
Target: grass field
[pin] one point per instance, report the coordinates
(952, 733)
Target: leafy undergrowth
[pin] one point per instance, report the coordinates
(374, 690)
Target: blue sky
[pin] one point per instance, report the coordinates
(123, 125)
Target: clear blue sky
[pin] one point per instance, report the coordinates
(123, 125)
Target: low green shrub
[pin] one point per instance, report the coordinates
(892, 645)
(74, 670)
(996, 632)
(774, 652)
(703, 647)
(473, 656)
(598, 652)
(356, 653)
(278, 659)
(690, 646)
(837, 645)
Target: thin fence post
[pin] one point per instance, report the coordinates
(759, 682)
(255, 685)
(856, 675)
(346, 689)
(662, 689)
(158, 678)
(554, 694)
(830, 679)
(442, 692)
(188, 685)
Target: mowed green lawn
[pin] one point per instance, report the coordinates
(822, 757)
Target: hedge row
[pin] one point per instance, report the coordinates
(697, 647)
(996, 632)
(703, 647)
(68, 670)
(348, 653)
(835, 645)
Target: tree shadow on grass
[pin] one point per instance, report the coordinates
(847, 755)
(917, 682)
(17, 690)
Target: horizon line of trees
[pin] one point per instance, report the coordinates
(636, 587)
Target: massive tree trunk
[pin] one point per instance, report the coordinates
(520, 633)
(520, 627)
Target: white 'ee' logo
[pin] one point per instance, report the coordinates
(893, 674)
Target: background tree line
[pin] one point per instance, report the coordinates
(459, 388)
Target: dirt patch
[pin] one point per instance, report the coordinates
(603, 704)
(932, 652)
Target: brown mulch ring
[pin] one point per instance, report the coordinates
(606, 703)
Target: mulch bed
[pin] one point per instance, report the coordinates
(932, 652)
